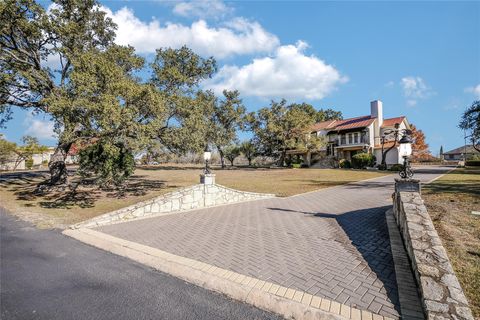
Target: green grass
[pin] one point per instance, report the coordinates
(450, 201)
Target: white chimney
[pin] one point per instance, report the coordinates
(376, 111)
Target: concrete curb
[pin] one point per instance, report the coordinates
(288, 302)
(409, 297)
(434, 179)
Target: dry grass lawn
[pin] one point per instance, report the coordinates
(59, 209)
(450, 201)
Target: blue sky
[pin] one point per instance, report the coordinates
(422, 59)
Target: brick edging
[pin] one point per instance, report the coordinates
(265, 295)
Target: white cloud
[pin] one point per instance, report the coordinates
(202, 8)
(411, 103)
(42, 129)
(475, 90)
(289, 73)
(240, 36)
(389, 84)
(415, 88)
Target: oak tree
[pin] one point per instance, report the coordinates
(470, 122)
(232, 152)
(226, 117)
(176, 75)
(283, 127)
(249, 151)
(37, 55)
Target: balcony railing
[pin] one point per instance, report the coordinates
(344, 141)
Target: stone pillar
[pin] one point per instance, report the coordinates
(207, 179)
(407, 185)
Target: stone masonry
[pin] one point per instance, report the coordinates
(441, 293)
(194, 197)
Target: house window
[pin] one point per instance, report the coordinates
(451, 156)
(342, 139)
(349, 141)
(356, 137)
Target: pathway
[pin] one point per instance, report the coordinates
(333, 243)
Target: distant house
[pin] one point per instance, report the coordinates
(458, 153)
(39, 160)
(12, 164)
(42, 158)
(347, 137)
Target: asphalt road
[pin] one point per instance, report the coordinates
(45, 275)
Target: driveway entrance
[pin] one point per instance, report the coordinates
(333, 243)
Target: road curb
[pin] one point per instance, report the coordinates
(434, 179)
(287, 302)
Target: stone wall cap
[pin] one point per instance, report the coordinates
(407, 180)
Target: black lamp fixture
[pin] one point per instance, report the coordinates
(207, 155)
(405, 152)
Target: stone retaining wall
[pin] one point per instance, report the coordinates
(194, 197)
(441, 293)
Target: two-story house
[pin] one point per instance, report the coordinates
(347, 137)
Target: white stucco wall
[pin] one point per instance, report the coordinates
(371, 134)
(392, 157)
(39, 158)
(11, 165)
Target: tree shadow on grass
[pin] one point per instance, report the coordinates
(367, 231)
(81, 195)
(471, 187)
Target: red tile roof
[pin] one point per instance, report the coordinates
(391, 122)
(324, 125)
(353, 123)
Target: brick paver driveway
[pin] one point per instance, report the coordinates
(333, 243)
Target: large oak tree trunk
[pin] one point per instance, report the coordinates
(384, 155)
(57, 166)
(222, 157)
(475, 145)
(283, 156)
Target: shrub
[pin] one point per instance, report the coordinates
(363, 160)
(344, 163)
(111, 163)
(297, 160)
(381, 166)
(296, 165)
(29, 163)
(396, 167)
(473, 163)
